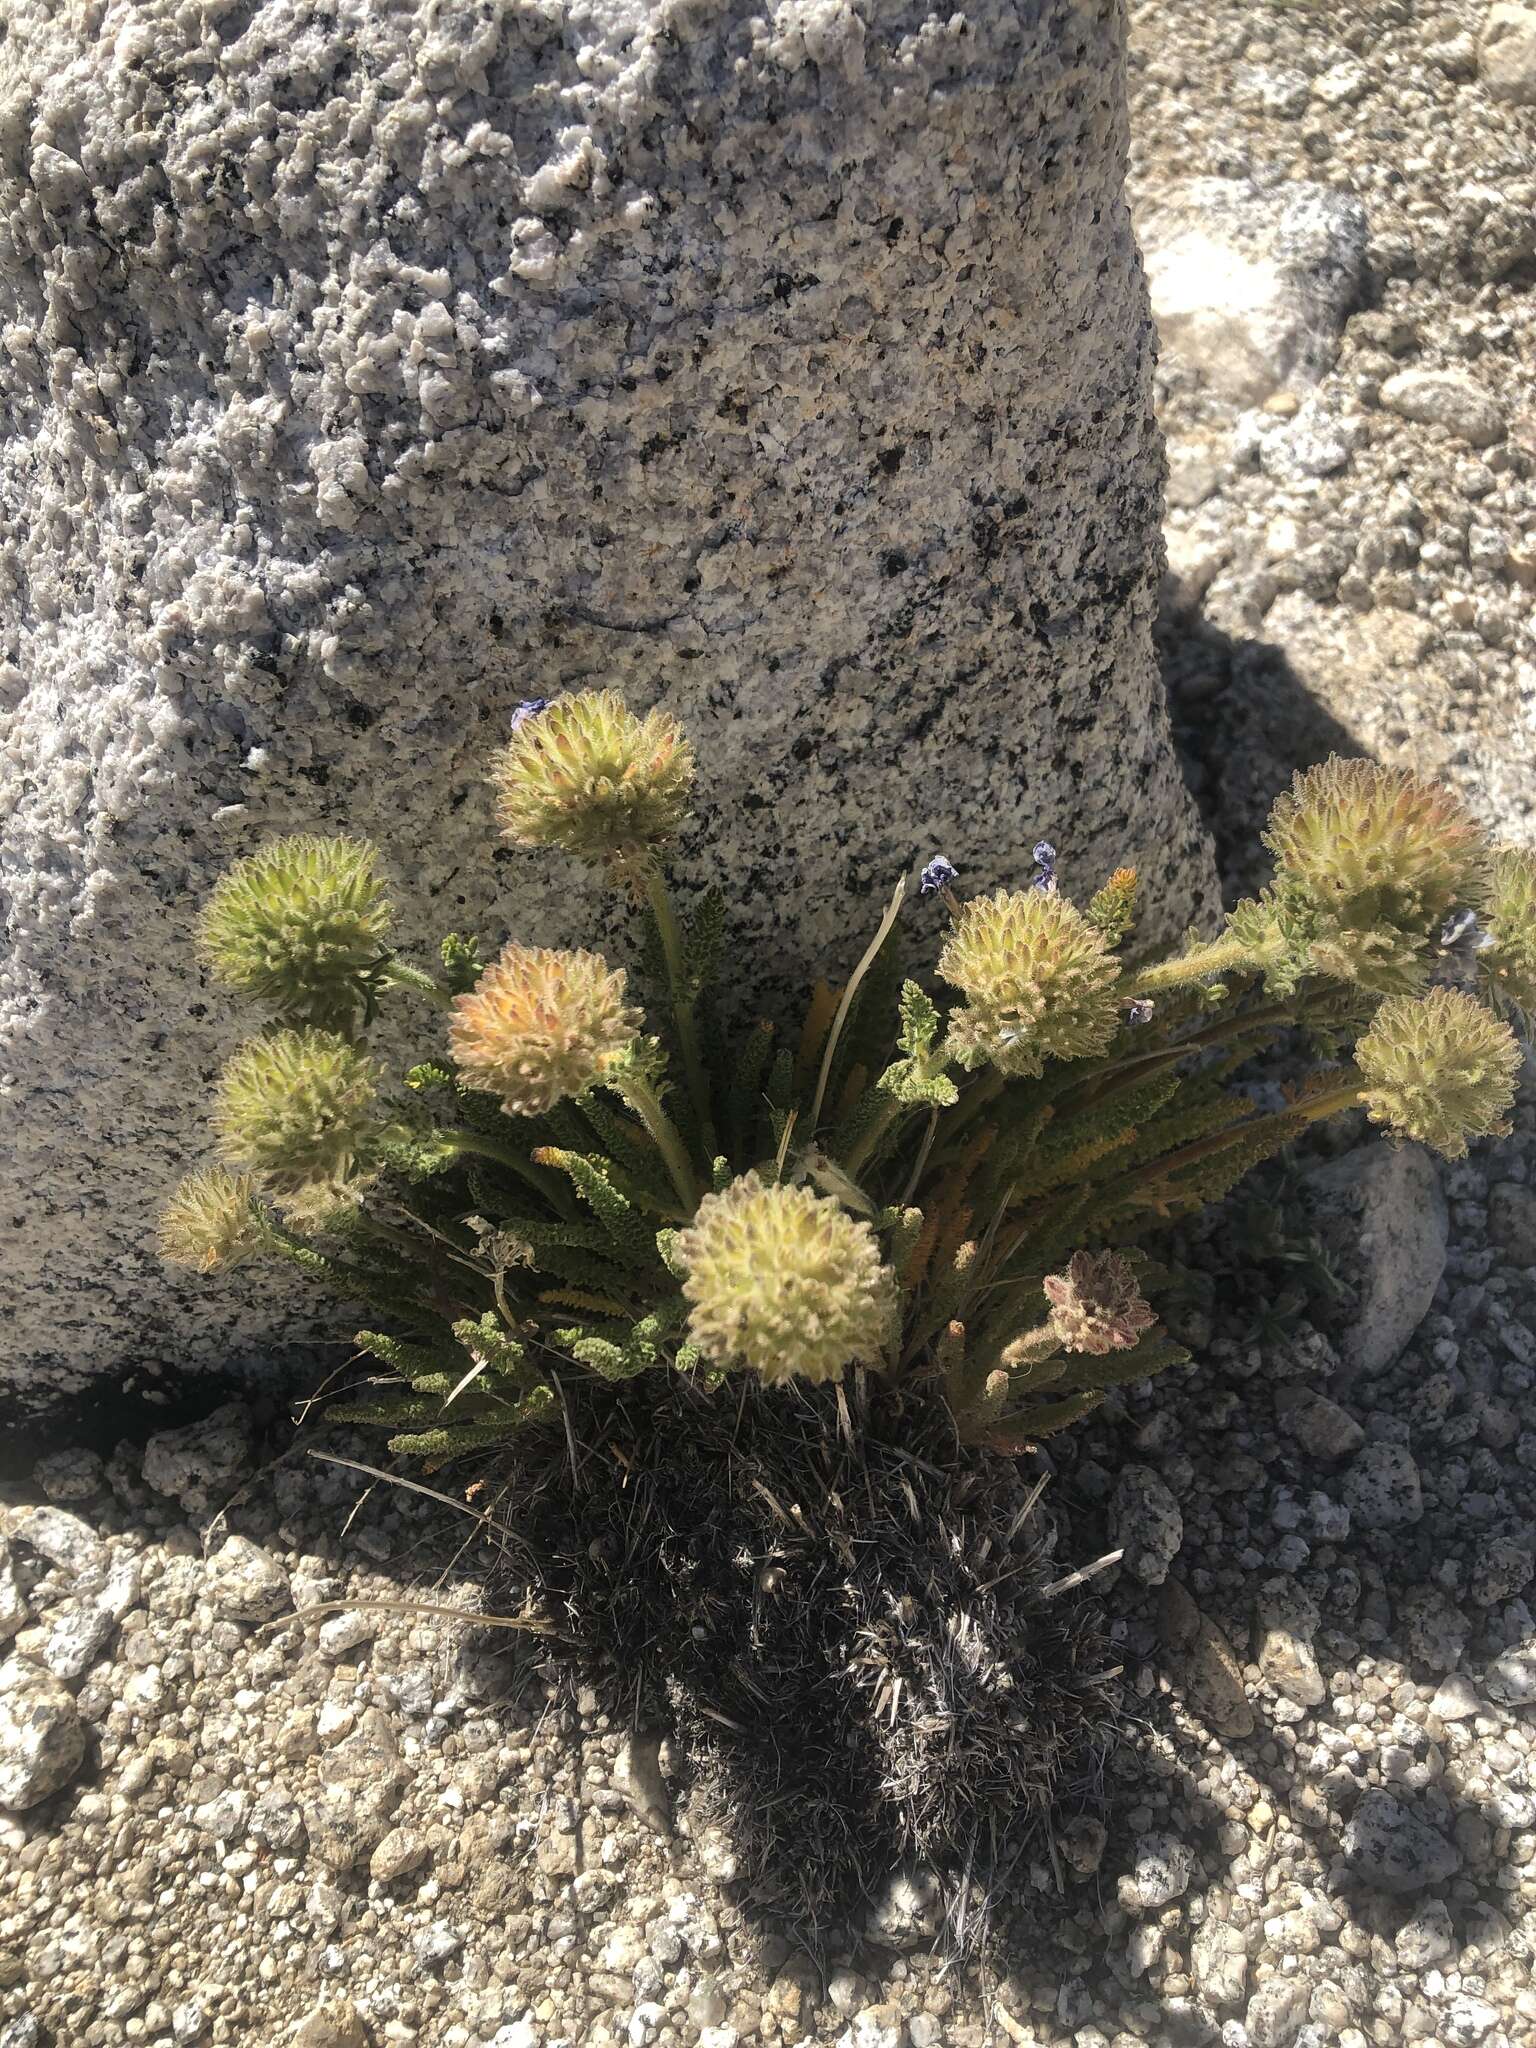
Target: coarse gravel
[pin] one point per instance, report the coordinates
(371, 1821)
(1352, 542)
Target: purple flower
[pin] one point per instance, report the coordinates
(529, 708)
(939, 874)
(1045, 861)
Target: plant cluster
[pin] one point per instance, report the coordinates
(949, 1189)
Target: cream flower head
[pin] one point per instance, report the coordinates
(584, 773)
(1439, 1068)
(1038, 980)
(786, 1282)
(207, 1224)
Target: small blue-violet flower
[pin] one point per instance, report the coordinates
(939, 874)
(1045, 861)
(1140, 1011)
(529, 708)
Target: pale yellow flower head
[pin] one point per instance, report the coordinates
(784, 1281)
(207, 1224)
(587, 775)
(1375, 846)
(1439, 1068)
(1038, 981)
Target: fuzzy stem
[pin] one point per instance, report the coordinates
(862, 1148)
(1334, 1101)
(670, 932)
(1189, 967)
(509, 1156)
(664, 1135)
(398, 975)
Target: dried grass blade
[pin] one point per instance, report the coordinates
(871, 953)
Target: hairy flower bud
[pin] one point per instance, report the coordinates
(1507, 952)
(1038, 980)
(541, 1026)
(1096, 1305)
(207, 1223)
(1381, 856)
(297, 1106)
(590, 777)
(1439, 1068)
(299, 924)
(785, 1281)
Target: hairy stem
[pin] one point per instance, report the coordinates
(508, 1155)
(664, 1135)
(398, 975)
(1189, 967)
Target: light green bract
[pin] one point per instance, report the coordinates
(1439, 1068)
(301, 925)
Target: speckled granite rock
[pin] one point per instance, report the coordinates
(368, 370)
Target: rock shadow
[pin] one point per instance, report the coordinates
(1243, 723)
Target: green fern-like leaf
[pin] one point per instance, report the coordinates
(744, 1094)
(430, 1074)
(387, 1412)
(403, 1357)
(1052, 1416)
(455, 1439)
(781, 1082)
(920, 1021)
(1188, 1186)
(489, 1343)
(627, 1145)
(633, 1240)
(702, 946)
(462, 965)
(1153, 1355)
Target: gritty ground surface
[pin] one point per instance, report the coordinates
(1345, 574)
(381, 1828)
